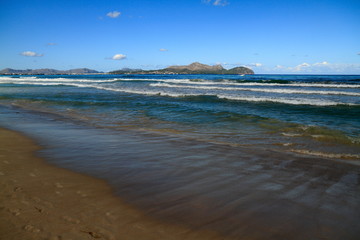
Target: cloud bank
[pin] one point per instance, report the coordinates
(31, 54)
(317, 68)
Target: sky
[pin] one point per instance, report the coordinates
(269, 36)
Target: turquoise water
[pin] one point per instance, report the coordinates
(308, 114)
(258, 157)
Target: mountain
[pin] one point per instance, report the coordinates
(47, 71)
(126, 71)
(240, 70)
(193, 68)
(13, 71)
(81, 71)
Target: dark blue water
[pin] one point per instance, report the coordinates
(309, 114)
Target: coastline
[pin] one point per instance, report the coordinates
(41, 201)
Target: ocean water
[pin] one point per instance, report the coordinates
(314, 115)
(276, 153)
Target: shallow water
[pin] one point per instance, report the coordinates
(238, 191)
(258, 157)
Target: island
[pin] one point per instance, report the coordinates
(48, 71)
(193, 68)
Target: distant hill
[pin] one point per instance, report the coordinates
(196, 67)
(193, 68)
(126, 71)
(47, 71)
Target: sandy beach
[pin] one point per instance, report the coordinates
(191, 120)
(40, 201)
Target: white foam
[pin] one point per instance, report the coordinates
(268, 90)
(5, 79)
(295, 101)
(327, 155)
(291, 134)
(231, 83)
(128, 90)
(316, 102)
(26, 80)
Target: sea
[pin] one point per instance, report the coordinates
(230, 153)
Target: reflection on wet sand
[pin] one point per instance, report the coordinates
(245, 193)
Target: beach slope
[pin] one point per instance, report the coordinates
(40, 201)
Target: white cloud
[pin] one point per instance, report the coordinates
(253, 65)
(163, 50)
(31, 54)
(118, 57)
(230, 65)
(220, 3)
(216, 2)
(113, 14)
(51, 44)
(321, 64)
(301, 67)
(315, 67)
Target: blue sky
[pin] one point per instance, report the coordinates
(270, 36)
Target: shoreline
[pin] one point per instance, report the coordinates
(42, 201)
(267, 195)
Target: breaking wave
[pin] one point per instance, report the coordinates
(159, 92)
(268, 90)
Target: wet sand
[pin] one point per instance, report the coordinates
(40, 201)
